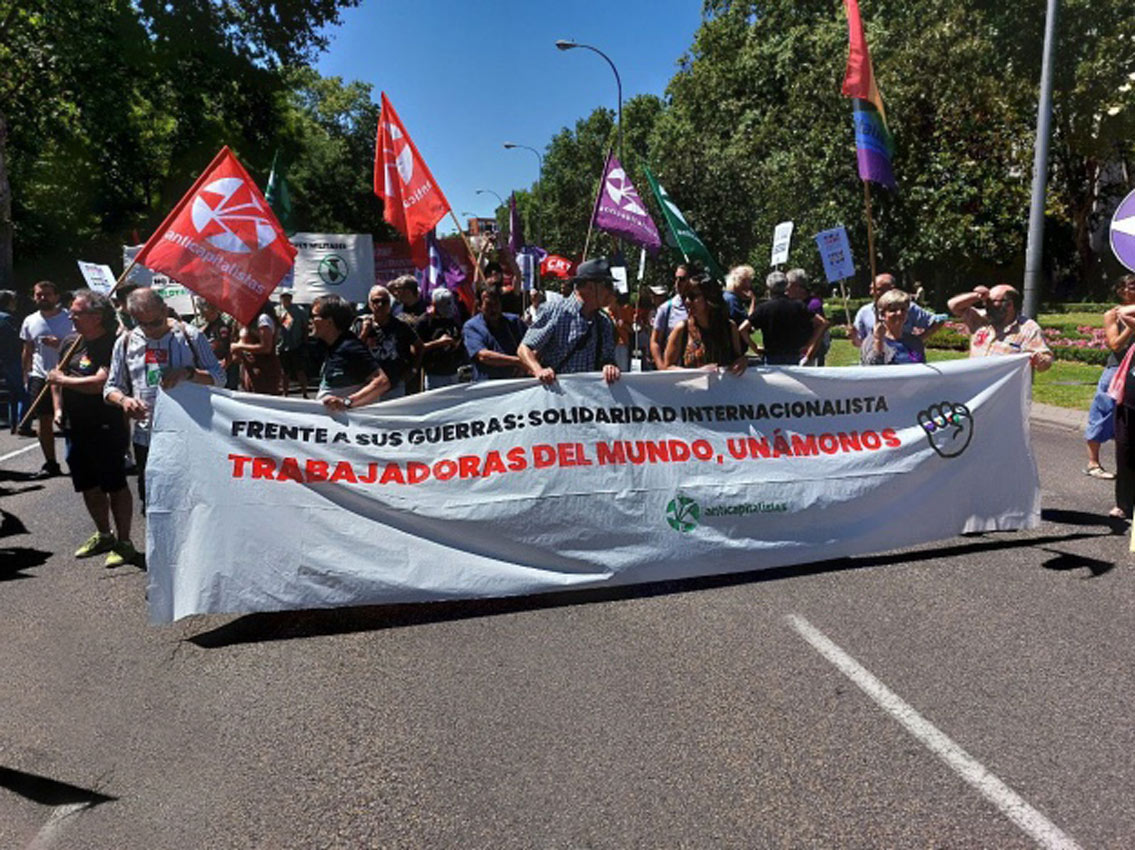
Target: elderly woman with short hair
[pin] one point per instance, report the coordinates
(888, 344)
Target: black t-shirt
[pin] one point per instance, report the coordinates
(348, 363)
(88, 410)
(444, 361)
(785, 325)
(390, 344)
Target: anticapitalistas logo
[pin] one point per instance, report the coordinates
(683, 514)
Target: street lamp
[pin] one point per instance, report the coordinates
(564, 44)
(490, 192)
(539, 177)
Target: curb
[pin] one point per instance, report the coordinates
(1060, 417)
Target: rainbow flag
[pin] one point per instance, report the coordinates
(874, 146)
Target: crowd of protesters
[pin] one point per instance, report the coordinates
(95, 369)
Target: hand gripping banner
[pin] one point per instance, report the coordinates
(503, 488)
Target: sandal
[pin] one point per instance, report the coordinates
(1099, 472)
(1117, 513)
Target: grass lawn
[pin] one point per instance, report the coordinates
(1060, 320)
(1066, 384)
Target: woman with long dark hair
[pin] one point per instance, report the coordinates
(708, 338)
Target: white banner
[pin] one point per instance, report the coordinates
(173, 293)
(500, 488)
(99, 278)
(332, 264)
(781, 240)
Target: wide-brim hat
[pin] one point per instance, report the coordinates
(597, 269)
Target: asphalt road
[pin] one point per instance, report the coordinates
(689, 714)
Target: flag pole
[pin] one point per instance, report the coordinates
(65, 360)
(870, 227)
(595, 206)
(477, 276)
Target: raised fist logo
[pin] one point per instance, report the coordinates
(948, 427)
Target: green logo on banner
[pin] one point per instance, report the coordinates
(333, 270)
(683, 514)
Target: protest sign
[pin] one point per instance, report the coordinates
(781, 240)
(173, 293)
(500, 488)
(99, 278)
(333, 264)
(836, 254)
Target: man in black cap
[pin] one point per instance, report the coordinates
(574, 335)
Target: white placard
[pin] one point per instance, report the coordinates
(173, 293)
(781, 241)
(835, 251)
(99, 277)
(619, 273)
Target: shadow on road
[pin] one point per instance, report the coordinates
(49, 792)
(1065, 561)
(1065, 517)
(15, 559)
(289, 625)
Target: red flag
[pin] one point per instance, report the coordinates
(554, 265)
(222, 241)
(859, 81)
(413, 203)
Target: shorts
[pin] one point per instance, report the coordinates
(294, 361)
(1101, 415)
(46, 406)
(96, 457)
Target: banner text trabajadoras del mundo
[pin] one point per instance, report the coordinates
(509, 487)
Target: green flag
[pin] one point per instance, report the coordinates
(690, 246)
(277, 195)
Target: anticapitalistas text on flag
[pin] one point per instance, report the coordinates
(874, 145)
(222, 241)
(413, 202)
(621, 212)
(689, 243)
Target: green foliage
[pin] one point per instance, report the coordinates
(114, 106)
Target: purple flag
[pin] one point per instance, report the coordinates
(621, 211)
(515, 230)
(443, 270)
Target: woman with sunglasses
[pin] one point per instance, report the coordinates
(708, 338)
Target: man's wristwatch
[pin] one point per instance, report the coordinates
(347, 402)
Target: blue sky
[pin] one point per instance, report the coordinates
(467, 77)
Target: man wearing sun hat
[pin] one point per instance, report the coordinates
(574, 335)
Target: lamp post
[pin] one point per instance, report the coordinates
(490, 192)
(539, 177)
(1034, 250)
(564, 44)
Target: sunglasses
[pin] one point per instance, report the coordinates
(154, 323)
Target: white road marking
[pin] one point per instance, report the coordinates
(19, 451)
(50, 830)
(1032, 822)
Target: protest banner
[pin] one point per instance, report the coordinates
(835, 253)
(99, 278)
(257, 503)
(333, 264)
(781, 241)
(173, 293)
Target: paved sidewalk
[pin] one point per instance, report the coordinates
(1062, 417)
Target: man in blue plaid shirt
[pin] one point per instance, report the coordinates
(574, 335)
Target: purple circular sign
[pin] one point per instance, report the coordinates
(1123, 232)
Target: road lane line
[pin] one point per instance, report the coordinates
(50, 830)
(19, 451)
(1036, 825)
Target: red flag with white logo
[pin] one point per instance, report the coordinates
(413, 202)
(222, 241)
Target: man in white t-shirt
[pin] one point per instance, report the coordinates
(41, 333)
(669, 316)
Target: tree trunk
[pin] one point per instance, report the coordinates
(7, 278)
